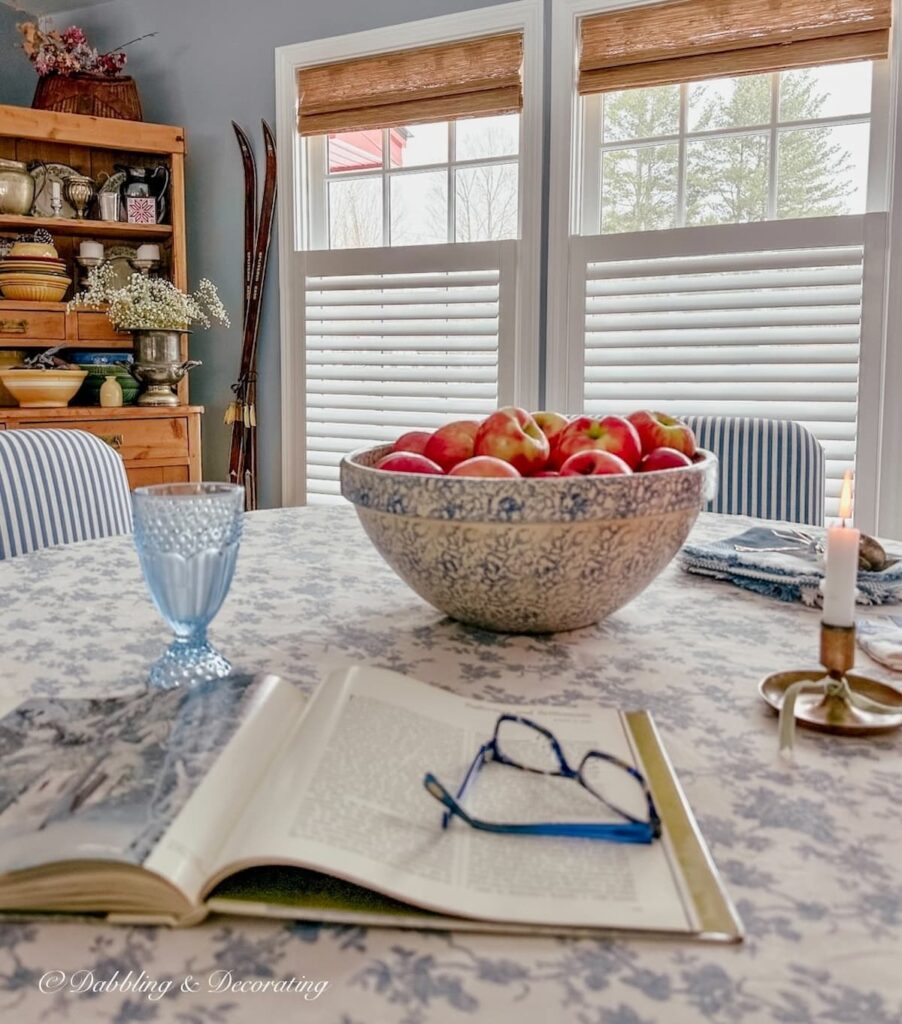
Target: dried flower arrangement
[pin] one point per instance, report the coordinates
(151, 303)
(67, 53)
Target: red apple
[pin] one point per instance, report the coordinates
(483, 465)
(658, 430)
(594, 462)
(452, 443)
(663, 458)
(545, 473)
(612, 434)
(514, 436)
(412, 441)
(408, 462)
(550, 423)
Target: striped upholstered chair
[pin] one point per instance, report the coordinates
(772, 469)
(59, 486)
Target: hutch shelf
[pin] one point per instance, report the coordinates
(157, 445)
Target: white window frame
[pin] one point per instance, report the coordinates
(294, 233)
(879, 510)
(592, 153)
(319, 178)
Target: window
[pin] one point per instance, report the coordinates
(708, 331)
(422, 184)
(724, 326)
(721, 228)
(413, 236)
(391, 349)
(762, 325)
(728, 150)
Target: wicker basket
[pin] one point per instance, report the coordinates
(89, 94)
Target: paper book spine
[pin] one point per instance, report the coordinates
(717, 917)
(165, 920)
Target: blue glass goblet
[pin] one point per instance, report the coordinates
(187, 536)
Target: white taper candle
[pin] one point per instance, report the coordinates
(842, 564)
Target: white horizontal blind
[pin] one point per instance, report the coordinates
(770, 329)
(396, 343)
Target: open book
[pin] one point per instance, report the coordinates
(242, 796)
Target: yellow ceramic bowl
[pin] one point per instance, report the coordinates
(9, 357)
(34, 287)
(41, 249)
(43, 389)
(21, 265)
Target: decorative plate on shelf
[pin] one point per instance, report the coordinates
(112, 183)
(118, 257)
(43, 174)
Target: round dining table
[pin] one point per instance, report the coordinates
(810, 852)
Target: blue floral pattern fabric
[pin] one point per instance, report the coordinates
(810, 853)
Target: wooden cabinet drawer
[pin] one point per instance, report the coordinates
(25, 324)
(92, 326)
(135, 440)
(145, 476)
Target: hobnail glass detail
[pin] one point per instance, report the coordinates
(187, 536)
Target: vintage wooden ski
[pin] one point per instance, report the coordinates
(242, 457)
(250, 207)
(234, 409)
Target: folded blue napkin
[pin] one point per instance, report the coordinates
(881, 638)
(792, 573)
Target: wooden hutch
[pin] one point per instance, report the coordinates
(158, 445)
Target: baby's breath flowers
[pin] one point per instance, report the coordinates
(151, 303)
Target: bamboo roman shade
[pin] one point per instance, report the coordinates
(467, 78)
(685, 40)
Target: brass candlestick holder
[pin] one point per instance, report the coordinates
(87, 264)
(833, 698)
(144, 266)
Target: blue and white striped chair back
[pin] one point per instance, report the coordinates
(771, 469)
(59, 486)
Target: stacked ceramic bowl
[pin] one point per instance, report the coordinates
(33, 272)
(99, 366)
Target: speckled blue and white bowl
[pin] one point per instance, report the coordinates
(528, 555)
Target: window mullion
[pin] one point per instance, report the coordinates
(318, 198)
(386, 187)
(452, 190)
(736, 133)
(772, 146)
(681, 156)
(590, 183)
(878, 143)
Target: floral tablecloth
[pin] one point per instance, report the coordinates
(812, 855)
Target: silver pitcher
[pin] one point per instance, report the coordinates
(158, 366)
(16, 188)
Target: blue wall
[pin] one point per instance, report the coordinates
(211, 62)
(17, 80)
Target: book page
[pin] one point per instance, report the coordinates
(111, 779)
(346, 797)
(186, 854)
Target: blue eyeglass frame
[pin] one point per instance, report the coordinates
(632, 830)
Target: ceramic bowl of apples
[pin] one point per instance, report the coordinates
(532, 523)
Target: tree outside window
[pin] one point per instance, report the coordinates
(750, 148)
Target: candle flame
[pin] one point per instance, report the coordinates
(845, 497)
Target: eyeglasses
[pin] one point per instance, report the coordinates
(520, 743)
